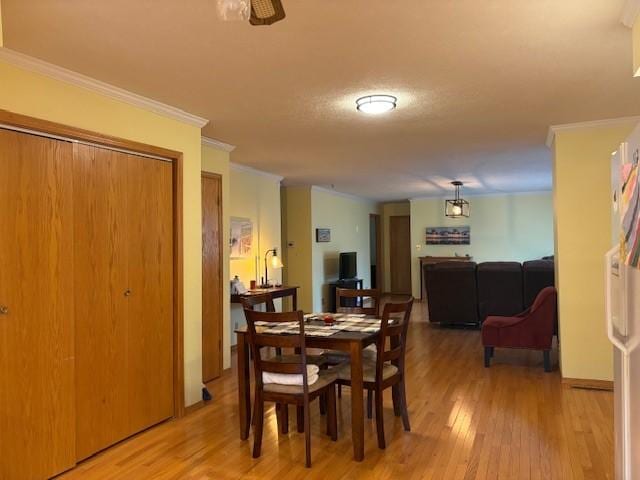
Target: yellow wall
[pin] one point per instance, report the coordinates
(1, 38)
(296, 228)
(582, 203)
(390, 210)
(217, 161)
(513, 227)
(636, 47)
(348, 219)
(42, 97)
(256, 196)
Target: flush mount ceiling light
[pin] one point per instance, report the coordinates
(376, 104)
(457, 207)
(258, 12)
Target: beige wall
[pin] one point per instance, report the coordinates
(217, 161)
(582, 203)
(42, 97)
(390, 210)
(296, 221)
(635, 35)
(256, 196)
(348, 219)
(513, 227)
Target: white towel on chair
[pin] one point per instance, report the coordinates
(292, 378)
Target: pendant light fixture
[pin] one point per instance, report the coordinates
(458, 206)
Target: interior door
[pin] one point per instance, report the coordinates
(400, 253)
(211, 277)
(150, 291)
(101, 277)
(37, 418)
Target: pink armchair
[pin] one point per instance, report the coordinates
(531, 329)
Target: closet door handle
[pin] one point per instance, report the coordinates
(127, 293)
(4, 310)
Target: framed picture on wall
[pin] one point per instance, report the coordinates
(448, 235)
(241, 237)
(323, 234)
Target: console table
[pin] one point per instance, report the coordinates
(276, 292)
(428, 260)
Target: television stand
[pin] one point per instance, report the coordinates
(352, 283)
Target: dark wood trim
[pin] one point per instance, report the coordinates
(74, 133)
(204, 173)
(588, 384)
(379, 253)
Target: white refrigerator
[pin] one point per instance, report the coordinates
(623, 305)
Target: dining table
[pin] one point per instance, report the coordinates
(336, 337)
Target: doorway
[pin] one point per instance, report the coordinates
(400, 253)
(375, 250)
(211, 276)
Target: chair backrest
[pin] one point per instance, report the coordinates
(545, 300)
(249, 302)
(361, 294)
(394, 326)
(295, 364)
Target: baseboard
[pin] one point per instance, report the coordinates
(234, 348)
(588, 384)
(192, 408)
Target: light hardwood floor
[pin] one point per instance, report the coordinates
(511, 421)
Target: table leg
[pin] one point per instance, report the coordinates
(357, 397)
(294, 299)
(244, 386)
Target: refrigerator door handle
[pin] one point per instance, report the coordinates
(608, 303)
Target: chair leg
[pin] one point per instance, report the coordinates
(339, 391)
(282, 411)
(379, 419)
(307, 435)
(257, 429)
(547, 360)
(253, 415)
(369, 404)
(322, 402)
(395, 395)
(492, 351)
(487, 357)
(300, 418)
(332, 417)
(403, 403)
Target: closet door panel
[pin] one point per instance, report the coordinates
(150, 319)
(37, 422)
(101, 268)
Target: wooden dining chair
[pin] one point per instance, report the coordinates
(251, 301)
(388, 369)
(359, 296)
(283, 395)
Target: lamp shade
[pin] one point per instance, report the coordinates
(276, 262)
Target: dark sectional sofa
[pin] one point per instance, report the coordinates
(465, 293)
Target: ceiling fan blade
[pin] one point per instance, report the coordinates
(266, 12)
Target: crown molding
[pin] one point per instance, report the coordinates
(480, 195)
(553, 129)
(217, 144)
(243, 168)
(630, 12)
(342, 194)
(55, 72)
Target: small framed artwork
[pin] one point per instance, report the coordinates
(448, 235)
(323, 234)
(241, 237)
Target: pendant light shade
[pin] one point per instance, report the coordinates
(458, 206)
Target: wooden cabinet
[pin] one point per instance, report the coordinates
(86, 300)
(36, 303)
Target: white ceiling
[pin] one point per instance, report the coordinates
(478, 82)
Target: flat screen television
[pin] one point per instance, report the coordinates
(348, 265)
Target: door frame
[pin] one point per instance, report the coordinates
(379, 253)
(35, 125)
(217, 176)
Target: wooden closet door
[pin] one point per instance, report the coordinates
(37, 422)
(101, 278)
(211, 277)
(150, 318)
